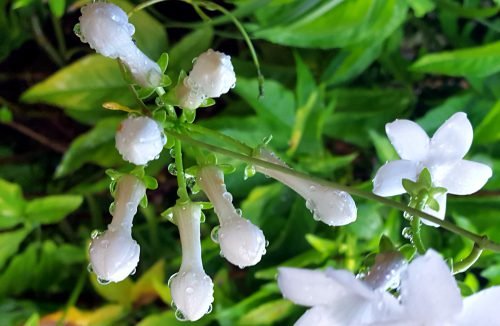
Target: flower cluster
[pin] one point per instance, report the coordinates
(428, 295)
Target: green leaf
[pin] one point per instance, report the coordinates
(5, 115)
(19, 274)
(385, 244)
(168, 319)
(114, 292)
(276, 109)
(351, 62)
(467, 12)
(187, 49)
(479, 61)
(330, 24)
(421, 7)
(57, 7)
(9, 242)
(12, 204)
(324, 246)
(95, 146)
(83, 85)
(267, 313)
(52, 209)
(488, 130)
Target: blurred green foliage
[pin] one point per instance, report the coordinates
(335, 73)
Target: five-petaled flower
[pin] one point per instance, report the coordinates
(442, 155)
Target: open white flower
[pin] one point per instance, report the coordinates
(337, 297)
(331, 206)
(441, 155)
(430, 296)
(139, 140)
(241, 242)
(114, 254)
(105, 27)
(212, 75)
(192, 290)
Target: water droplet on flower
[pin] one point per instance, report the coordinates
(408, 216)
(172, 169)
(228, 196)
(169, 282)
(221, 254)
(102, 281)
(189, 290)
(312, 188)
(159, 102)
(95, 234)
(267, 243)
(209, 310)
(214, 235)
(179, 315)
(407, 233)
(112, 207)
(239, 211)
(90, 269)
(172, 152)
(78, 32)
(133, 272)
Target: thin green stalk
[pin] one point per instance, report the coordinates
(219, 136)
(44, 43)
(144, 108)
(468, 261)
(415, 224)
(213, 6)
(181, 177)
(143, 5)
(170, 110)
(74, 295)
(61, 42)
(482, 241)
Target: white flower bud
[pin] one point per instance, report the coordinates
(105, 27)
(331, 206)
(188, 98)
(114, 254)
(139, 140)
(192, 290)
(241, 242)
(212, 74)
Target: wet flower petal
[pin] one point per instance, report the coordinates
(317, 316)
(389, 178)
(481, 308)
(452, 140)
(466, 177)
(409, 139)
(428, 290)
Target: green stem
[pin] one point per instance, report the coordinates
(170, 110)
(213, 6)
(468, 261)
(143, 5)
(44, 43)
(74, 295)
(219, 136)
(482, 241)
(415, 224)
(144, 108)
(181, 177)
(61, 42)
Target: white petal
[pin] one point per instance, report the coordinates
(466, 177)
(441, 199)
(389, 178)
(307, 287)
(409, 139)
(349, 281)
(428, 290)
(481, 308)
(317, 316)
(452, 140)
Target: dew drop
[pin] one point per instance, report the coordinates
(227, 195)
(169, 283)
(90, 269)
(172, 169)
(159, 102)
(209, 309)
(179, 315)
(222, 254)
(78, 32)
(267, 243)
(95, 234)
(172, 152)
(408, 216)
(133, 272)
(407, 233)
(214, 235)
(112, 207)
(102, 281)
(239, 211)
(189, 290)
(312, 188)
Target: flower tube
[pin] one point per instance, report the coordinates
(114, 254)
(105, 27)
(139, 140)
(192, 290)
(331, 206)
(241, 242)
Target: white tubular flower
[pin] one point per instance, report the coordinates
(241, 242)
(114, 254)
(337, 297)
(212, 74)
(329, 205)
(192, 290)
(105, 27)
(441, 155)
(430, 296)
(139, 140)
(187, 97)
